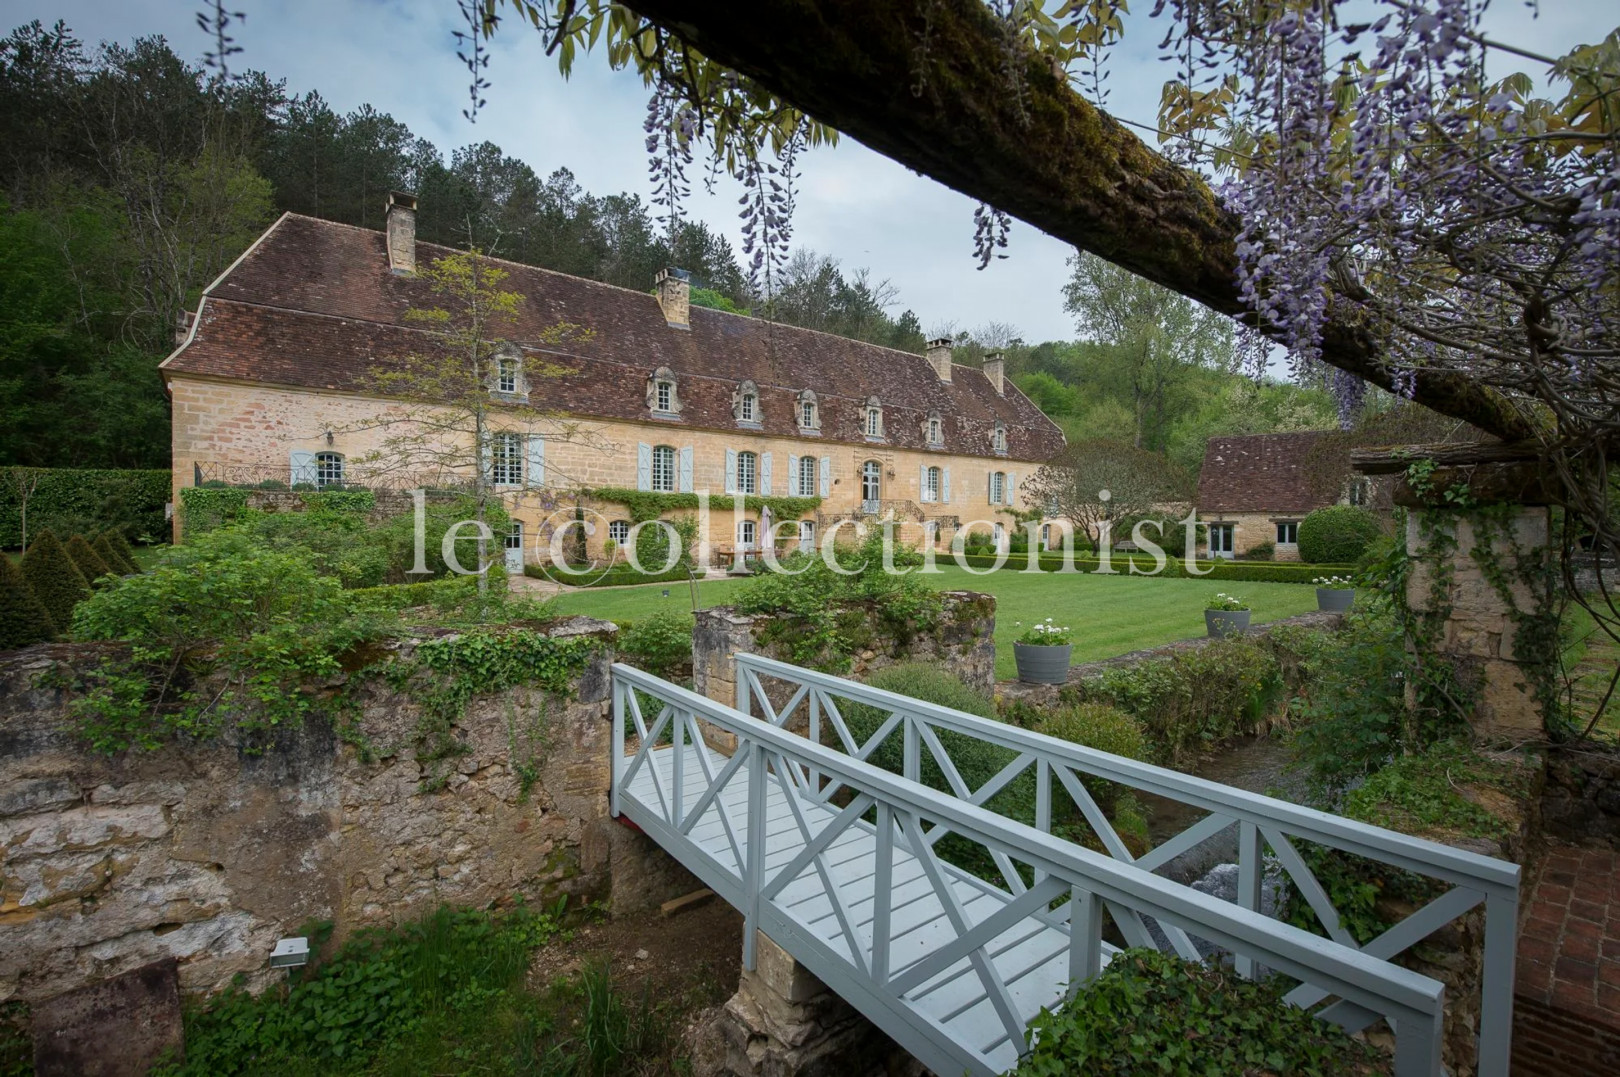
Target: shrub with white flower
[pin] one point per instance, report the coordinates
(1044, 634)
(1228, 603)
(1337, 583)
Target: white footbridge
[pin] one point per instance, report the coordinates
(774, 805)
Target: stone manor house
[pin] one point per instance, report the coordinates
(270, 385)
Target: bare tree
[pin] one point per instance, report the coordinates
(1095, 482)
(24, 480)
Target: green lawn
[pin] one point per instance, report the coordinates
(1110, 615)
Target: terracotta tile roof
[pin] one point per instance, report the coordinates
(314, 304)
(1258, 473)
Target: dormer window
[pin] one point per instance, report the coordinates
(998, 437)
(506, 376)
(874, 418)
(809, 413)
(663, 396)
(936, 430)
(745, 403)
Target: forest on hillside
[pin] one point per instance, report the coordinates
(130, 177)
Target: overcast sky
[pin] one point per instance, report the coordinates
(855, 205)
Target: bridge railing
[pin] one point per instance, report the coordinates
(906, 817)
(815, 702)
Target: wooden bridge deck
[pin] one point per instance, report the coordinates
(1031, 959)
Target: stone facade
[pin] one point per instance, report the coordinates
(962, 644)
(207, 854)
(1581, 800)
(1479, 632)
(221, 424)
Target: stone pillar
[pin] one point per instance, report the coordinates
(719, 635)
(1478, 635)
(784, 1022)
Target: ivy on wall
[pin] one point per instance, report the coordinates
(644, 505)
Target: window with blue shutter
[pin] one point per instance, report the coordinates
(537, 460)
(644, 455)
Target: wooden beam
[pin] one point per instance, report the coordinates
(1395, 461)
(934, 96)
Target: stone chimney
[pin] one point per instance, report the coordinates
(995, 368)
(675, 296)
(402, 232)
(939, 353)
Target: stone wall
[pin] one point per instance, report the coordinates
(208, 854)
(1580, 802)
(961, 643)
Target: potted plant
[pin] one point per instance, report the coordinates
(1225, 615)
(1042, 652)
(1334, 594)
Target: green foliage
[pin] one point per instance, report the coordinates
(111, 557)
(206, 508)
(1338, 534)
(382, 987)
(450, 592)
(660, 643)
(1191, 701)
(708, 297)
(1261, 551)
(89, 563)
(55, 580)
(824, 615)
(617, 576)
(1099, 726)
(1427, 792)
(1151, 1013)
(16, 1040)
(263, 619)
(22, 619)
(68, 500)
(647, 505)
(1219, 571)
(116, 538)
(1222, 602)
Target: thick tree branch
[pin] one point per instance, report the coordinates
(1071, 170)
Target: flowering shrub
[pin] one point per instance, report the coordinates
(1044, 634)
(1336, 583)
(1226, 603)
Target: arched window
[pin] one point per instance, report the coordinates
(663, 469)
(663, 397)
(619, 531)
(807, 476)
(930, 490)
(998, 437)
(998, 487)
(809, 413)
(871, 481)
(745, 403)
(747, 473)
(936, 429)
(328, 469)
(506, 459)
(874, 418)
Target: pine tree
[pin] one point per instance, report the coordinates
(22, 619)
(56, 582)
(120, 543)
(91, 566)
(109, 553)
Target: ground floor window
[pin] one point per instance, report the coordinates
(328, 469)
(619, 531)
(807, 534)
(1220, 539)
(1287, 532)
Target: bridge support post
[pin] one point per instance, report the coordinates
(784, 1022)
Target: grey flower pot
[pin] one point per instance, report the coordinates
(1335, 599)
(1220, 623)
(1042, 665)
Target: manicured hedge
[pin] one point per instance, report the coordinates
(1237, 571)
(83, 501)
(617, 576)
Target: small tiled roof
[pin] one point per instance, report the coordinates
(315, 304)
(1258, 473)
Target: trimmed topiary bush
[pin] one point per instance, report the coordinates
(120, 542)
(22, 619)
(111, 557)
(90, 564)
(55, 580)
(1339, 534)
(1099, 726)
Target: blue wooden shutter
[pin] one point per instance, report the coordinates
(826, 476)
(643, 466)
(765, 474)
(793, 476)
(302, 467)
(686, 470)
(537, 460)
(945, 485)
(731, 471)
